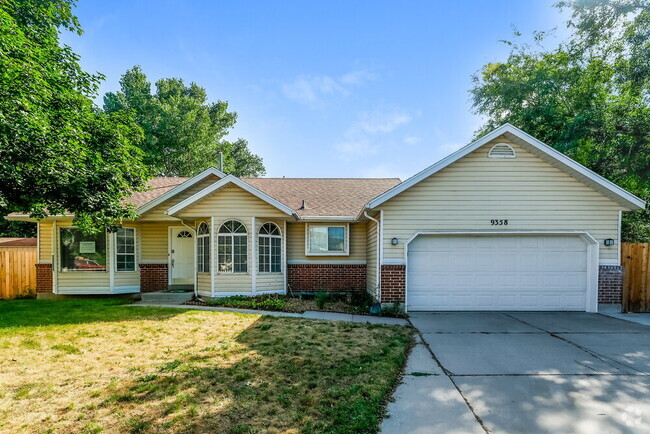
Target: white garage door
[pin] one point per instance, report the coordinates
(505, 272)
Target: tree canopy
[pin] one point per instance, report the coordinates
(589, 97)
(58, 152)
(184, 134)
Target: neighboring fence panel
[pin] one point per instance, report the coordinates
(635, 258)
(17, 271)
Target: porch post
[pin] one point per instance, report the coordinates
(284, 255)
(254, 256)
(212, 264)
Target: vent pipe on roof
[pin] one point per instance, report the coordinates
(221, 161)
(303, 205)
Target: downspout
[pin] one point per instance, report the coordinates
(365, 213)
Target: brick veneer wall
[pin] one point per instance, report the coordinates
(610, 284)
(393, 283)
(44, 278)
(153, 277)
(327, 277)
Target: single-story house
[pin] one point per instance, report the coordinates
(504, 223)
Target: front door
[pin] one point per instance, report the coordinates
(181, 256)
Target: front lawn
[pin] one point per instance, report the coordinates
(93, 365)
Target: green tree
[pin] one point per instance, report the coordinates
(184, 134)
(58, 152)
(589, 97)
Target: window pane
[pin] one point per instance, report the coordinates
(125, 248)
(263, 257)
(336, 239)
(225, 254)
(82, 252)
(240, 254)
(276, 255)
(318, 239)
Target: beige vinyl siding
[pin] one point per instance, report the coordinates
(296, 245)
(371, 257)
(530, 193)
(231, 201)
(154, 242)
(270, 282)
(204, 284)
(158, 212)
(45, 242)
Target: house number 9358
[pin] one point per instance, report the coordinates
(499, 222)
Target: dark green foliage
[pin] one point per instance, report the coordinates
(588, 98)
(58, 152)
(262, 302)
(321, 298)
(183, 132)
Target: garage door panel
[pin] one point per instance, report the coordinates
(522, 272)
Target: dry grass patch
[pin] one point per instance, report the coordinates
(170, 370)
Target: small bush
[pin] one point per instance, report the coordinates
(261, 302)
(320, 299)
(394, 309)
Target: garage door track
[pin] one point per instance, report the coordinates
(524, 372)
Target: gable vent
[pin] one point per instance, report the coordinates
(502, 150)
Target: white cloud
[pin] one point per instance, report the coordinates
(412, 140)
(362, 137)
(314, 90)
(382, 122)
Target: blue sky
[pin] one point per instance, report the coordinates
(322, 88)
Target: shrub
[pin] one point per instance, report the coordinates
(261, 302)
(394, 309)
(320, 299)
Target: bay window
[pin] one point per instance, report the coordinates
(270, 249)
(80, 252)
(232, 248)
(125, 249)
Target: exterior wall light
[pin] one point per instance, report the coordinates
(609, 242)
(394, 241)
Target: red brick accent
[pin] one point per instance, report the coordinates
(327, 277)
(153, 277)
(44, 278)
(393, 283)
(610, 284)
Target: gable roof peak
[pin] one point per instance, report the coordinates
(544, 151)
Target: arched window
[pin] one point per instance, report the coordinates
(232, 248)
(270, 248)
(203, 248)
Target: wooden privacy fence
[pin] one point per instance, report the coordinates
(17, 271)
(635, 258)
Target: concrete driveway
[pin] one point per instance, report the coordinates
(524, 372)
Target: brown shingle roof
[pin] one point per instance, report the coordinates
(159, 186)
(322, 196)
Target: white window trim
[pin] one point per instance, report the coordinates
(259, 235)
(345, 252)
(199, 238)
(232, 253)
(135, 252)
(58, 248)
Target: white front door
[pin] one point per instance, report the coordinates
(498, 272)
(181, 256)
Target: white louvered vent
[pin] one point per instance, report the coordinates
(502, 150)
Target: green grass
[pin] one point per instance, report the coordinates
(98, 365)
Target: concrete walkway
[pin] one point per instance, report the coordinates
(614, 311)
(329, 316)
